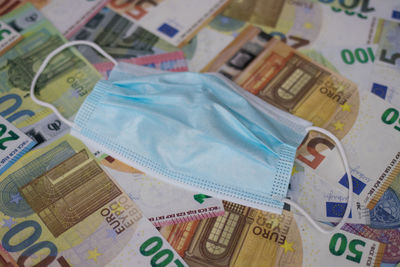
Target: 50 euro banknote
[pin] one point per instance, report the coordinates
(65, 83)
(160, 17)
(250, 237)
(365, 124)
(59, 207)
(67, 16)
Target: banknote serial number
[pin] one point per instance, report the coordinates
(384, 174)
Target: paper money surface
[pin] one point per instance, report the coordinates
(162, 19)
(8, 37)
(358, 63)
(13, 144)
(119, 37)
(255, 11)
(304, 23)
(288, 80)
(77, 215)
(326, 203)
(173, 61)
(65, 82)
(67, 16)
(390, 9)
(250, 237)
(162, 203)
(389, 237)
(387, 37)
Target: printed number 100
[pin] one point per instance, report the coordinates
(162, 257)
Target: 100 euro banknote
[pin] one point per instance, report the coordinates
(65, 83)
(60, 208)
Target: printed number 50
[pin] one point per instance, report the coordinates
(339, 250)
(13, 136)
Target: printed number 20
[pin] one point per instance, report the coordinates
(338, 250)
(13, 136)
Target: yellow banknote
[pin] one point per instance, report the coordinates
(58, 205)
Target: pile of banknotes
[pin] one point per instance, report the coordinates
(336, 63)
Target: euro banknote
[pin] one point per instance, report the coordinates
(359, 64)
(326, 203)
(123, 38)
(65, 82)
(254, 11)
(119, 37)
(302, 23)
(162, 203)
(60, 207)
(66, 16)
(250, 237)
(160, 17)
(292, 82)
(389, 237)
(13, 144)
(9, 38)
(173, 61)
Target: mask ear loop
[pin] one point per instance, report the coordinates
(43, 66)
(349, 181)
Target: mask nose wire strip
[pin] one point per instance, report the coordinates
(349, 181)
(47, 60)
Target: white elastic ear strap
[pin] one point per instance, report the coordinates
(349, 181)
(47, 60)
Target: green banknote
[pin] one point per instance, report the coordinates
(250, 237)
(65, 83)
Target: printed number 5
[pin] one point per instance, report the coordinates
(391, 60)
(13, 136)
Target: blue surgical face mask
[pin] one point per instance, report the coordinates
(200, 131)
